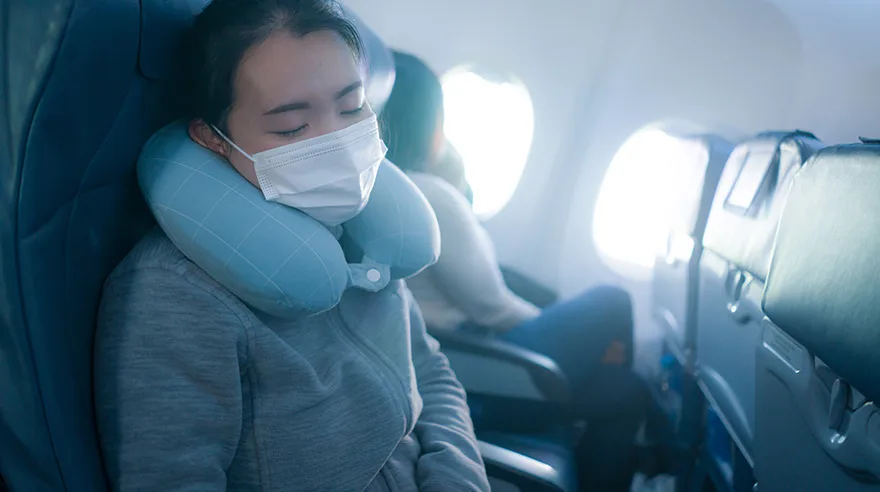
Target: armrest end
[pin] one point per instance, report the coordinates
(521, 471)
(485, 358)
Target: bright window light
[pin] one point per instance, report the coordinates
(650, 179)
(490, 124)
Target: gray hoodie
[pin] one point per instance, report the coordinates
(196, 392)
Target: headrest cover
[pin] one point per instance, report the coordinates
(823, 286)
(748, 200)
(275, 258)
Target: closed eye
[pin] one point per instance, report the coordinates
(353, 111)
(292, 133)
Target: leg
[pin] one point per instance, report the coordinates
(615, 406)
(578, 333)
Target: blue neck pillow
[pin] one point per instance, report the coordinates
(273, 257)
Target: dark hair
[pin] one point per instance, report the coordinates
(226, 29)
(413, 114)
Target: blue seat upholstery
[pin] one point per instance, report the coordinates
(818, 426)
(737, 245)
(88, 81)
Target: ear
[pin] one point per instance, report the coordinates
(204, 135)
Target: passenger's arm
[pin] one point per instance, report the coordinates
(450, 460)
(167, 383)
(467, 271)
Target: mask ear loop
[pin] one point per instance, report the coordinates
(230, 142)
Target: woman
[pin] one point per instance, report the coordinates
(196, 391)
(590, 336)
(450, 167)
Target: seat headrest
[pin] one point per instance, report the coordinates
(823, 286)
(164, 25)
(698, 161)
(273, 257)
(745, 210)
(379, 78)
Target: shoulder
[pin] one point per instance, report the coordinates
(156, 278)
(442, 196)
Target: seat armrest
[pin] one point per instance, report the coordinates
(487, 365)
(520, 471)
(527, 288)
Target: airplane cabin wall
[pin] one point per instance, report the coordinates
(554, 49)
(599, 70)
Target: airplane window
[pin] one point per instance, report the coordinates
(490, 123)
(640, 195)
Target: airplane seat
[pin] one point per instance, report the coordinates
(87, 82)
(737, 243)
(818, 426)
(698, 161)
(674, 281)
(519, 402)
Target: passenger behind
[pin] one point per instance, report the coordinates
(590, 336)
(196, 390)
(450, 167)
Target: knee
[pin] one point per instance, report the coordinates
(613, 296)
(612, 304)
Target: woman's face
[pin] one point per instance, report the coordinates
(287, 89)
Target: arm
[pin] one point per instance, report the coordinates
(467, 271)
(167, 383)
(450, 460)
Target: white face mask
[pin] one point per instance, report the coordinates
(328, 177)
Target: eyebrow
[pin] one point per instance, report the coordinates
(297, 105)
(349, 89)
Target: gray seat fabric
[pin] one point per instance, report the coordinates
(819, 358)
(736, 254)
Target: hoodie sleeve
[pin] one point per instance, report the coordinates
(167, 383)
(450, 460)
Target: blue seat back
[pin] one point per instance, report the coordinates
(818, 427)
(737, 245)
(86, 82)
